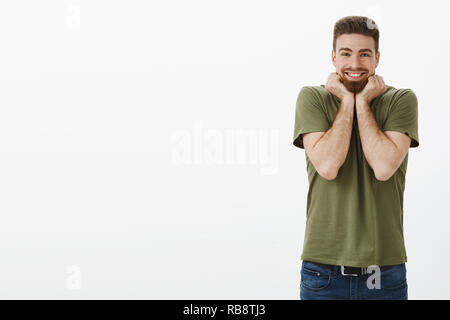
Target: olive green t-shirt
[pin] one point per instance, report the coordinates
(355, 219)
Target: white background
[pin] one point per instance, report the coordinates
(97, 98)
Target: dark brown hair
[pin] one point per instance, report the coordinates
(356, 24)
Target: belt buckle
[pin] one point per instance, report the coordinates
(348, 274)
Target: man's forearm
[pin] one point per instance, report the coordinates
(378, 149)
(332, 147)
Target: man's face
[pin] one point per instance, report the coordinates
(355, 60)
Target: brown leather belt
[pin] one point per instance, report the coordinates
(350, 271)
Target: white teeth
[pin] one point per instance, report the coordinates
(354, 75)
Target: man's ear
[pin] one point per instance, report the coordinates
(377, 58)
(333, 58)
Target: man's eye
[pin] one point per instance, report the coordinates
(345, 53)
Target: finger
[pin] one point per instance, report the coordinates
(380, 82)
(331, 76)
(383, 84)
(376, 79)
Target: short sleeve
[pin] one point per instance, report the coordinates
(309, 115)
(403, 116)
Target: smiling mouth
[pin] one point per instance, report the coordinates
(354, 75)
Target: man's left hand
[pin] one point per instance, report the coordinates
(375, 86)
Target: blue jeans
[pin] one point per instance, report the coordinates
(319, 283)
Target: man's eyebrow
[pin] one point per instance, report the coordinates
(348, 49)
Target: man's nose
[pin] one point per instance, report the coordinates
(355, 63)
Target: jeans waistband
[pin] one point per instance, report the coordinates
(349, 270)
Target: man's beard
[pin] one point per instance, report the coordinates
(354, 86)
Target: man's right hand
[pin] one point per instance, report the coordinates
(336, 87)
